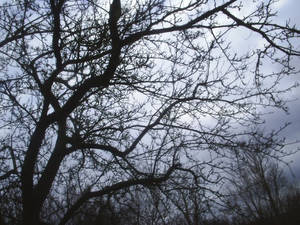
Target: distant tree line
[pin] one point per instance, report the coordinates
(142, 111)
(255, 191)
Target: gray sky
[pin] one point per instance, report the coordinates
(290, 9)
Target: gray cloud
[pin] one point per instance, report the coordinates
(289, 10)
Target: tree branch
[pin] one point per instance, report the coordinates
(116, 187)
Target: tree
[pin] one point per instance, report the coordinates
(101, 101)
(257, 185)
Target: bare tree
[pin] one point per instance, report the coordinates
(103, 98)
(189, 200)
(257, 183)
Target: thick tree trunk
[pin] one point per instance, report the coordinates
(30, 211)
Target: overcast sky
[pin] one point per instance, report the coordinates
(290, 9)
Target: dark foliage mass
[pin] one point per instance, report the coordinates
(142, 111)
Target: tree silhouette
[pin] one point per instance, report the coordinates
(101, 99)
(257, 184)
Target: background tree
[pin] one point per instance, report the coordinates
(257, 183)
(104, 101)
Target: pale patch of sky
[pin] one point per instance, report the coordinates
(281, 3)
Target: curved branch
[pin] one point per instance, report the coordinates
(262, 33)
(137, 36)
(108, 148)
(115, 187)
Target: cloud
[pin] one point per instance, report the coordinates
(281, 3)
